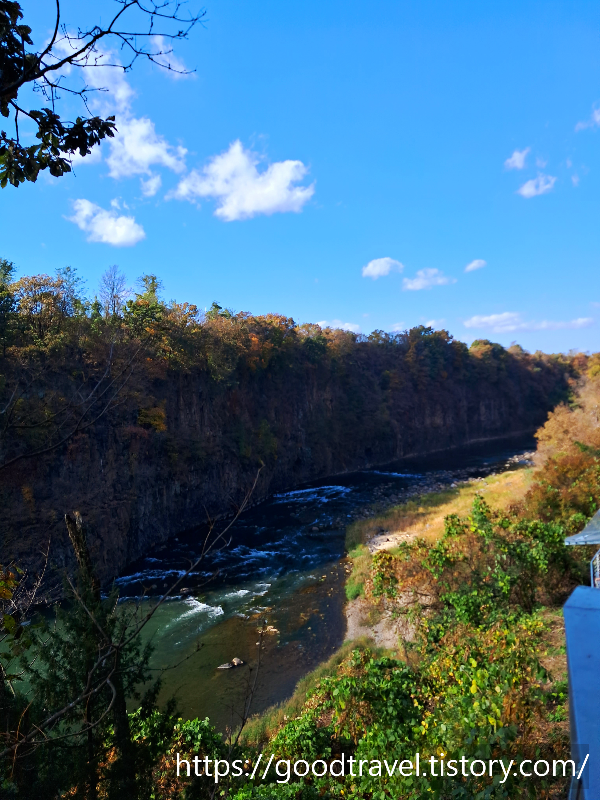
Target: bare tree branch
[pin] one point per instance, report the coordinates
(132, 30)
(109, 652)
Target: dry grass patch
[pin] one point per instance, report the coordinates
(424, 517)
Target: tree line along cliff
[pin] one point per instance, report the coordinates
(146, 416)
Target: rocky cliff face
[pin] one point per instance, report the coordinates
(183, 446)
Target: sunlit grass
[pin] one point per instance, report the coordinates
(361, 562)
(424, 516)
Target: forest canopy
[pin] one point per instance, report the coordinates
(67, 356)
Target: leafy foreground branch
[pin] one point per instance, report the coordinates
(137, 29)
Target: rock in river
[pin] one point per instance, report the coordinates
(235, 662)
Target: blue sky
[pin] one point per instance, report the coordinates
(316, 138)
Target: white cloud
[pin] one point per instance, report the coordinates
(93, 157)
(241, 190)
(112, 91)
(575, 180)
(108, 91)
(517, 160)
(434, 323)
(592, 122)
(151, 186)
(106, 226)
(136, 147)
(508, 321)
(398, 327)
(174, 66)
(541, 163)
(536, 186)
(511, 321)
(478, 263)
(380, 267)
(425, 279)
(337, 323)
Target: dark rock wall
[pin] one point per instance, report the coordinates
(139, 484)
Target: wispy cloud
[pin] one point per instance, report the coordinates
(398, 327)
(592, 122)
(575, 180)
(478, 263)
(536, 186)
(517, 160)
(511, 321)
(434, 323)
(380, 267)
(174, 66)
(337, 323)
(151, 186)
(233, 179)
(426, 279)
(108, 227)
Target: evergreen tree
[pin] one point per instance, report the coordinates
(82, 666)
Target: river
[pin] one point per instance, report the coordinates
(284, 566)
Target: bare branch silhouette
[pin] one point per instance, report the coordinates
(109, 649)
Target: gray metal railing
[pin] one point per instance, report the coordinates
(590, 535)
(595, 571)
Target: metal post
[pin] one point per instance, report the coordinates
(595, 571)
